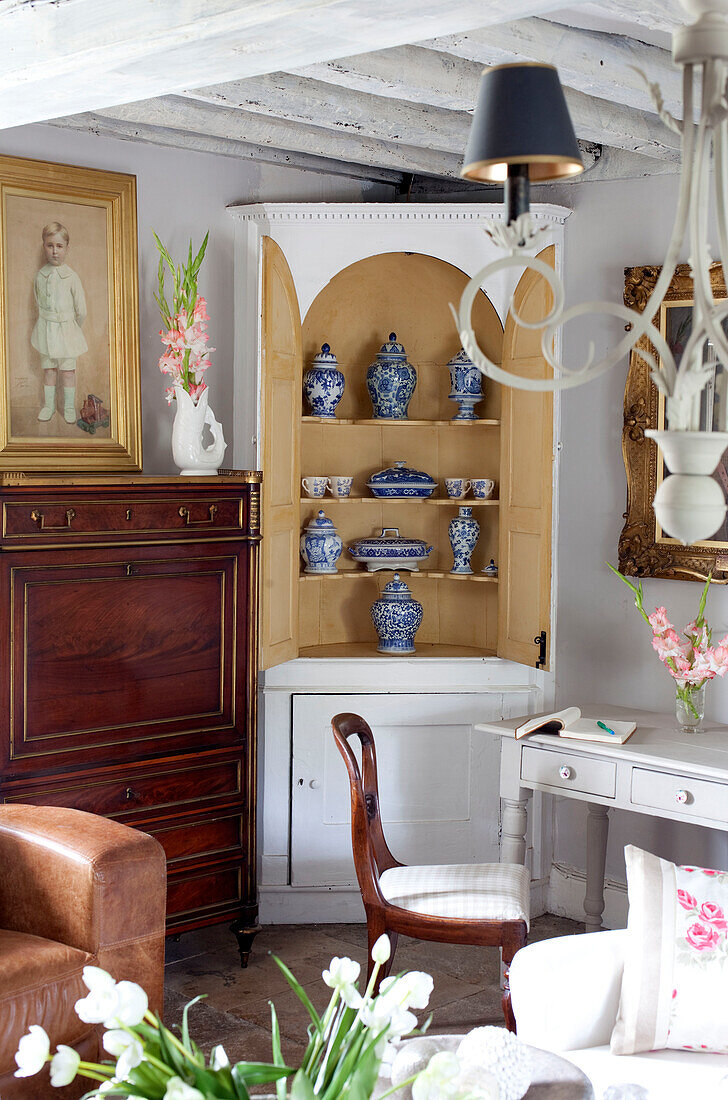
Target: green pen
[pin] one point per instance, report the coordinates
(606, 729)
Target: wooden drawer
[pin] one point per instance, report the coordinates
(38, 520)
(568, 771)
(218, 836)
(193, 896)
(679, 794)
(132, 793)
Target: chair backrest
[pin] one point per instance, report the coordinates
(371, 854)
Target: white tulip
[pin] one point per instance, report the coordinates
(410, 990)
(341, 973)
(382, 949)
(439, 1078)
(102, 1001)
(218, 1058)
(64, 1066)
(178, 1090)
(33, 1051)
(132, 1005)
(124, 1047)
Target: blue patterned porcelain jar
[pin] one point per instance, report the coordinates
(466, 385)
(323, 383)
(320, 545)
(391, 381)
(463, 532)
(396, 616)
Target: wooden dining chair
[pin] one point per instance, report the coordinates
(484, 904)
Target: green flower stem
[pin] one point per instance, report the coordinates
(316, 1042)
(395, 1088)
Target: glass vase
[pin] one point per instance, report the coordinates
(689, 707)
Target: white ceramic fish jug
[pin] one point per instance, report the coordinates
(188, 451)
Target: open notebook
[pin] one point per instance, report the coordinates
(569, 723)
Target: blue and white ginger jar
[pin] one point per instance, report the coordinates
(320, 545)
(396, 616)
(466, 385)
(463, 532)
(391, 381)
(323, 383)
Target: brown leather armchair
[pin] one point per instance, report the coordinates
(75, 889)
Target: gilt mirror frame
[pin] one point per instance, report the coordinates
(643, 551)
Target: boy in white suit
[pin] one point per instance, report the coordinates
(57, 335)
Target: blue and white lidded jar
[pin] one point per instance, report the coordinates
(396, 616)
(323, 383)
(466, 385)
(463, 532)
(320, 545)
(391, 381)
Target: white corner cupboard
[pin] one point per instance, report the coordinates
(348, 275)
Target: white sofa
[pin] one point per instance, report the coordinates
(565, 995)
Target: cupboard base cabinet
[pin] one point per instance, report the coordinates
(355, 277)
(128, 686)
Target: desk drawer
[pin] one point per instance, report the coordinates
(568, 771)
(679, 794)
(37, 521)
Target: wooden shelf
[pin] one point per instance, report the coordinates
(448, 502)
(347, 650)
(412, 423)
(405, 573)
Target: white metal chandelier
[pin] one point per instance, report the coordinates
(521, 132)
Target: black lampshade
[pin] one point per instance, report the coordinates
(521, 118)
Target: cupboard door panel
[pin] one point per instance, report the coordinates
(438, 781)
(108, 652)
(281, 415)
(524, 590)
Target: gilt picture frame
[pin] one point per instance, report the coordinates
(69, 320)
(644, 551)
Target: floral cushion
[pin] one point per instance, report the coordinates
(674, 982)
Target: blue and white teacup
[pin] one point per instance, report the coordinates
(340, 486)
(314, 486)
(456, 487)
(482, 487)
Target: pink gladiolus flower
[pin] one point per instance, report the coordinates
(200, 313)
(687, 900)
(702, 938)
(709, 871)
(714, 915)
(659, 621)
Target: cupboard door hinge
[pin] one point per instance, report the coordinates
(540, 641)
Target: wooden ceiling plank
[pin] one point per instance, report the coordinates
(68, 56)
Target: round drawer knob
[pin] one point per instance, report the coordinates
(681, 797)
(314, 784)
(566, 772)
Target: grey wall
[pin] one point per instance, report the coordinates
(603, 646)
(180, 195)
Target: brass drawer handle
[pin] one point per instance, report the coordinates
(131, 794)
(185, 513)
(38, 518)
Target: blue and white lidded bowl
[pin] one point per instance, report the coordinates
(390, 550)
(466, 385)
(396, 616)
(391, 381)
(323, 383)
(400, 481)
(320, 545)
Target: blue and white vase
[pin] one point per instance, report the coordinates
(396, 616)
(323, 383)
(463, 532)
(320, 545)
(466, 385)
(391, 381)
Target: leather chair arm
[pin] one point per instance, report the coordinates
(89, 882)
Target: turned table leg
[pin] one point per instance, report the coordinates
(597, 829)
(514, 822)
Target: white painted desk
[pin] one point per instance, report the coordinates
(659, 771)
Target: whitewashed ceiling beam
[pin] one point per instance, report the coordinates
(656, 15)
(104, 126)
(598, 64)
(65, 56)
(423, 76)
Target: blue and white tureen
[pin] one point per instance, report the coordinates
(390, 550)
(400, 481)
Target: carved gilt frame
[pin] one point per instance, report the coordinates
(641, 552)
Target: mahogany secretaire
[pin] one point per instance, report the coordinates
(128, 643)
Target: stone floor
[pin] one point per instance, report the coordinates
(236, 1011)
